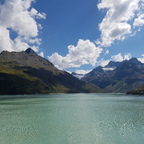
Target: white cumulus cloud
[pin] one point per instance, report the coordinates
(103, 62)
(139, 21)
(85, 52)
(122, 16)
(5, 42)
(41, 54)
(20, 17)
(34, 13)
(141, 59)
(82, 71)
(119, 57)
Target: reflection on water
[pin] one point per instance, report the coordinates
(72, 119)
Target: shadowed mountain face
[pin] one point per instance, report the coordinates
(118, 77)
(27, 73)
(139, 91)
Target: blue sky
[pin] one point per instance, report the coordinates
(75, 35)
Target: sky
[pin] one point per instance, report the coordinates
(75, 35)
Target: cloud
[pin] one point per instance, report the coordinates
(139, 21)
(84, 53)
(82, 71)
(41, 54)
(120, 20)
(34, 13)
(18, 16)
(5, 42)
(141, 59)
(119, 57)
(103, 62)
(108, 69)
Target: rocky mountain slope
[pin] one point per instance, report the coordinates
(27, 73)
(118, 76)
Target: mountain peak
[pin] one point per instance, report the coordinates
(30, 51)
(113, 64)
(134, 60)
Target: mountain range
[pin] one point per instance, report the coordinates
(118, 77)
(27, 73)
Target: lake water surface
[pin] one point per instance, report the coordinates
(72, 119)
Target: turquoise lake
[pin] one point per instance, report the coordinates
(72, 119)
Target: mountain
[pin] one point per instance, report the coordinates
(79, 76)
(139, 91)
(27, 73)
(118, 76)
(97, 71)
(112, 64)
